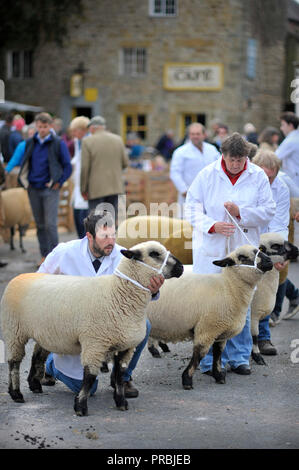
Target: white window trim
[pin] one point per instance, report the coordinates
(122, 67)
(163, 14)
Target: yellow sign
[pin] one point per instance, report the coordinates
(76, 85)
(201, 76)
(91, 94)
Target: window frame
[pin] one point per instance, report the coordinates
(124, 65)
(135, 126)
(21, 64)
(163, 13)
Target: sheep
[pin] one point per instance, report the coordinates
(15, 210)
(263, 302)
(97, 317)
(175, 234)
(208, 308)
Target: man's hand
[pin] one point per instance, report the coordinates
(280, 266)
(296, 216)
(156, 283)
(232, 208)
(85, 196)
(224, 228)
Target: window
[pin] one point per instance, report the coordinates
(133, 61)
(189, 118)
(135, 122)
(163, 7)
(20, 64)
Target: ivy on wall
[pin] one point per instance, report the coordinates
(33, 21)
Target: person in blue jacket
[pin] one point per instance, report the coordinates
(46, 165)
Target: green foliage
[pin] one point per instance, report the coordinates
(32, 21)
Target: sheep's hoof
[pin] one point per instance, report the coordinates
(35, 386)
(16, 395)
(258, 358)
(220, 377)
(80, 408)
(187, 387)
(154, 351)
(187, 381)
(123, 407)
(164, 347)
(104, 368)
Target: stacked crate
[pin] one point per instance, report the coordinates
(149, 187)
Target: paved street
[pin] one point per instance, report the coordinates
(258, 411)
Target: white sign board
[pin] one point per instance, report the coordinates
(201, 76)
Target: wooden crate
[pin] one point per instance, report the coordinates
(65, 210)
(149, 187)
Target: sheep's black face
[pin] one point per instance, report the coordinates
(280, 252)
(291, 251)
(265, 263)
(177, 269)
(173, 266)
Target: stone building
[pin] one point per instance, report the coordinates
(150, 65)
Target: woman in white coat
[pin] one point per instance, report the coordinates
(231, 188)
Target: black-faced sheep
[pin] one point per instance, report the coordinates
(15, 210)
(263, 302)
(98, 317)
(208, 309)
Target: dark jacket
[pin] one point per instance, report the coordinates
(59, 166)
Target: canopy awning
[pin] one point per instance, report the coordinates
(9, 105)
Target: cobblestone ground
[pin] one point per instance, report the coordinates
(258, 411)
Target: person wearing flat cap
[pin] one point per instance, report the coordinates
(104, 158)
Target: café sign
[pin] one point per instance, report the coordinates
(200, 76)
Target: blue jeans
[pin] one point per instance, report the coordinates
(286, 289)
(44, 204)
(264, 329)
(236, 352)
(79, 216)
(76, 384)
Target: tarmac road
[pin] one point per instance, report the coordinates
(260, 411)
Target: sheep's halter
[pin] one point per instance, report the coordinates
(136, 283)
(250, 243)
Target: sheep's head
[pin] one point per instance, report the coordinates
(155, 255)
(246, 255)
(279, 250)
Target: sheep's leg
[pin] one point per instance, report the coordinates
(22, 230)
(164, 347)
(80, 405)
(119, 391)
(37, 369)
(152, 347)
(14, 381)
(104, 367)
(15, 353)
(255, 353)
(218, 373)
(199, 351)
(12, 232)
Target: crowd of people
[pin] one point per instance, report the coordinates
(245, 182)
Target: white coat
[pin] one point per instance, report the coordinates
(205, 206)
(72, 258)
(187, 160)
(77, 199)
(280, 221)
(288, 152)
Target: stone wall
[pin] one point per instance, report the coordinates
(204, 31)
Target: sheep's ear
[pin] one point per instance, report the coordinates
(224, 262)
(263, 249)
(131, 254)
